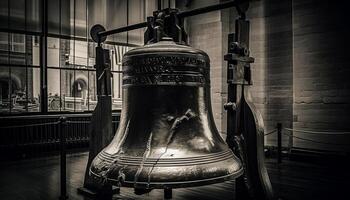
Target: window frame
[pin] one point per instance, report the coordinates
(40, 37)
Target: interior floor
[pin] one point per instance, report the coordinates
(38, 178)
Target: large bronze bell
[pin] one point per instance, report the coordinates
(167, 137)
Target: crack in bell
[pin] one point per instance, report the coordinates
(144, 158)
(189, 114)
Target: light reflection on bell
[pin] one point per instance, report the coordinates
(167, 137)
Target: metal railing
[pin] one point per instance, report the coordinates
(63, 133)
(31, 136)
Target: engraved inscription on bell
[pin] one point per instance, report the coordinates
(164, 70)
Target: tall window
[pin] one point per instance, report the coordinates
(19, 63)
(71, 77)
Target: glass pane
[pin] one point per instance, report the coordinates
(136, 15)
(33, 14)
(34, 54)
(67, 77)
(54, 16)
(66, 59)
(116, 91)
(80, 90)
(80, 18)
(4, 89)
(65, 17)
(23, 15)
(33, 89)
(18, 89)
(17, 49)
(53, 52)
(92, 90)
(54, 88)
(17, 14)
(78, 53)
(150, 6)
(97, 12)
(116, 16)
(30, 49)
(91, 54)
(4, 47)
(4, 14)
(117, 52)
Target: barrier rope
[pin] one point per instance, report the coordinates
(48, 123)
(85, 122)
(78, 122)
(311, 133)
(270, 132)
(29, 125)
(309, 140)
(319, 132)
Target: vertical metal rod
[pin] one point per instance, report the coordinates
(59, 46)
(74, 64)
(127, 21)
(159, 5)
(63, 123)
(26, 53)
(279, 142)
(9, 43)
(168, 193)
(43, 58)
(88, 51)
(231, 97)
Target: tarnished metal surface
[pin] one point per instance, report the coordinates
(167, 136)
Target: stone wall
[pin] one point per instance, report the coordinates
(271, 46)
(300, 73)
(321, 71)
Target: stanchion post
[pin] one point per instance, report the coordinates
(63, 124)
(279, 142)
(168, 193)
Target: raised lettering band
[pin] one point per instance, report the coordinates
(165, 70)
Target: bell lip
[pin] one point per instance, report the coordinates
(165, 47)
(180, 184)
(167, 162)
